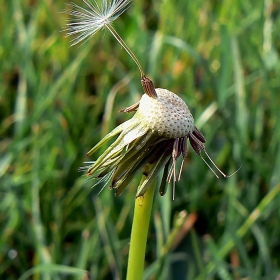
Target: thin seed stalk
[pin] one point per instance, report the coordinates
(139, 233)
(127, 49)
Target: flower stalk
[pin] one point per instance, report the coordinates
(139, 232)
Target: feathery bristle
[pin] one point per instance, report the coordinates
(88, 21)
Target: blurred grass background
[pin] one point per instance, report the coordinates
(56, 102)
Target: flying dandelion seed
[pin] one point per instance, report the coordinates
(158, 132)
(88, 21)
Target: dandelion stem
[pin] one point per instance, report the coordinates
(139, 233)
(124, 45)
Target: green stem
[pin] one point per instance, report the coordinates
(139, 233)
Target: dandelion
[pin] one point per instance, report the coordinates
(158, 132)
(152, 140)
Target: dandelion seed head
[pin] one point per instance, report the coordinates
(86, 22)
(168, 115)
(157, 136)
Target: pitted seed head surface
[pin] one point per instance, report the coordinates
(168, 115)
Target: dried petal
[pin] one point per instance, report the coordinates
(199, 135)
(196, 144)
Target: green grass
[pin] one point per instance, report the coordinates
(222, 58)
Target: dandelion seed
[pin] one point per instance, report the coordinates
(88, 21)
